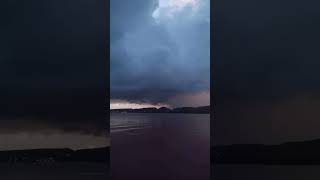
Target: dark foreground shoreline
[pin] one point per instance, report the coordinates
(51, 156)
(292, 153)
(53, 164)
(55, 171)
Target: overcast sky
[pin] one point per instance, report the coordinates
(266, 75)
(160, 53)
(52, 74)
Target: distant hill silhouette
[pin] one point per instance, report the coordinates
(55, 155)
(193, 110)
(304, 152)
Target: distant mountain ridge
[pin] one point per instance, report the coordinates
(302, 152)
(55, 155)
(190, 110)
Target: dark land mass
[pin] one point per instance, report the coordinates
(47, 156)
(190, 110)
(304, 152)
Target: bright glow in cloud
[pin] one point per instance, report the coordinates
(169, 8)
(191, 99)
(127, 105)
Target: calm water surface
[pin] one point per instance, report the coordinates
(160, 146)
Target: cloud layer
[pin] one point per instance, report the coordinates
(157, 57)
(267, 63)
(51, 70)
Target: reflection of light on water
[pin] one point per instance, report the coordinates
(125, 122)
(192, 126)
(174, 140)
(115, 130)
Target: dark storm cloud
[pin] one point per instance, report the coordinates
(126, 15)
(268, 49)
(266, 84)
(51, 70)
(156, 59)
